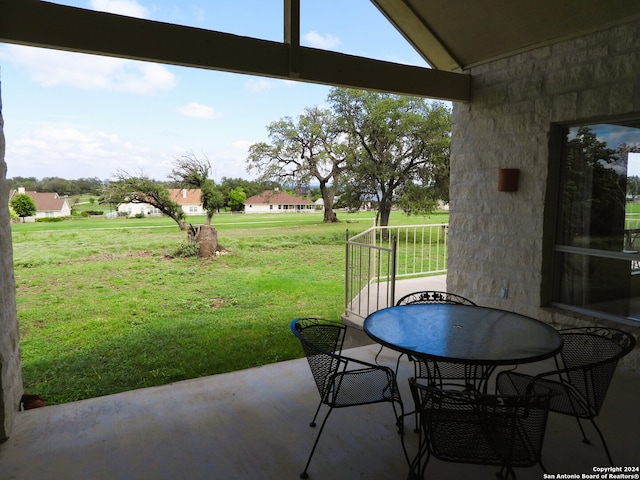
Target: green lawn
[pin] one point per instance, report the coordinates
(105, 308)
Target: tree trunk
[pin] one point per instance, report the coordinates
(207, 240)
(327, 198)
(385, 212)
(330, 216)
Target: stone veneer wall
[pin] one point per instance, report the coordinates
(496, 238)
(10, 368)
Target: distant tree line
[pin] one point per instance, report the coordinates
(96, 187)
(61, 186)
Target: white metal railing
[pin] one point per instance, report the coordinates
(379, 255)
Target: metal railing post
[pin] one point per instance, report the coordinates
(392, 282)
(347, 289)
(372, 262)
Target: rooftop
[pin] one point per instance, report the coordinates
(277, 197)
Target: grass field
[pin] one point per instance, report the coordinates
(105, 308)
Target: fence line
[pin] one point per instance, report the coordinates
(379, 255)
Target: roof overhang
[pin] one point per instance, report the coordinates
(455, 35)
(49, 25)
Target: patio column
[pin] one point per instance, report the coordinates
(10, 367)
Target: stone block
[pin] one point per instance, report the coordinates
(499, 236)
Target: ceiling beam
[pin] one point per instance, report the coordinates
(292, 34)
(43, 24)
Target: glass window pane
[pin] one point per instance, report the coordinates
(597, 259)
(594, 187)
(602, 284)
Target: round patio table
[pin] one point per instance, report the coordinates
(463, 334)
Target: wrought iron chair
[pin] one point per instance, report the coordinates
(447, 374)
(343, 381)
(423, 368)
(479, 428)
(585, 367)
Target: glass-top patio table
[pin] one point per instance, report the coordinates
(463, 334)
(474, 339)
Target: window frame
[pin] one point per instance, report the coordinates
(552, 248)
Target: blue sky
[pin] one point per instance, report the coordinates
(77, 116)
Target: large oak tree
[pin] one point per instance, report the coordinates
(312, 147)
(400, 148)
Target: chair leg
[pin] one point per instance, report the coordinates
(588, 442)
(378, 354)
(584, 435)
(398, 363)
(313, 421)
(304, 474)
(506, 473)
(418, 466)
(604, 444)
(400, 425)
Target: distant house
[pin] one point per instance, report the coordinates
(189, 200)
(320, 203)
(275, 201)
(48, 204)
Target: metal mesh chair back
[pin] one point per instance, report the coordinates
(485, 429)
(322, 344)
(590, 356)
(433, 296)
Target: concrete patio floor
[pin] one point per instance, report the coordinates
(253, 424)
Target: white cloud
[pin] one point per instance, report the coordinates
(72, 151)
(197, 110)
(258, 85)
(91, 72)
(326, 41)
(130, 8)
(242, 144)
(69, 151)
(66, 143)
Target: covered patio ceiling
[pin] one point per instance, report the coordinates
(456, 35)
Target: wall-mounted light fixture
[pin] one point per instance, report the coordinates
(508, 179)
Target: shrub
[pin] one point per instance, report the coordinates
(186, 249)
(49, 219)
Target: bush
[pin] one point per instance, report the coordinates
(186, 249)
(49, 219)
(139, 215)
